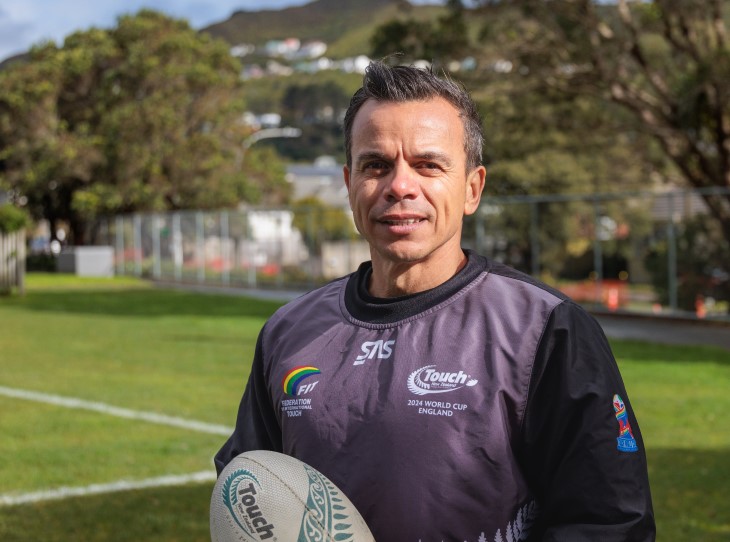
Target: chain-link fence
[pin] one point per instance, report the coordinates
(645, 251)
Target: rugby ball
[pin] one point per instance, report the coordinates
(262, 495)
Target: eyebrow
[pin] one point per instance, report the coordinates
(433, 156)
(370, 155)
(428, 156)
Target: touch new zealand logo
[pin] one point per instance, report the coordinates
(626, 440)
(239, 494)
(294, 379)
(427, 380)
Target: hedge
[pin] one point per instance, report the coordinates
(12, 219)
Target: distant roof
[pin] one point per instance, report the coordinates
(322, 180)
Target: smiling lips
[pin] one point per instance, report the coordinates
(400, 223)
(405, 222)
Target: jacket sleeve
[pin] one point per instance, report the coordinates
(582, 450)
(257, 426)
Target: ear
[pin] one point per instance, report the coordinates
(474, 187)
(346, 175)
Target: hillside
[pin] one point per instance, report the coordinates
(343, 24)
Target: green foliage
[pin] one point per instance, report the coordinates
(267, 93)
(703, 256)
(41, 262)
(141, 117)
(541, 143)
(541, 139)
(437, 41)
(318, 221)
(12, 219)
(662, 66)
(265, 178)
(317, 108)
(314, 103)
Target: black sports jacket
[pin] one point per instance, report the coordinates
(489, 409)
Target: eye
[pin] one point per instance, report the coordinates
(429, 168)
(375, 167)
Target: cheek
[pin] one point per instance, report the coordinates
(446, 198)
(361, 196)
(359, 208)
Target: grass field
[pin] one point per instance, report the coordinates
(121, 343)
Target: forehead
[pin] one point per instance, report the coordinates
(428, 122)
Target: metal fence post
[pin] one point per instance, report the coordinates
(534, 238)
(251, 251)
(597, 249)
(200, 246)
(177, 248)
(597, 252)
(281, 250)
(314, 244)
(479, 231)
(119, 235)
(156, 252)
(225, 252)
(672, 255)
(137, 246)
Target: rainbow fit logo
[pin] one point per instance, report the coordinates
(292, 382)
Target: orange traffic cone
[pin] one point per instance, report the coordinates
(700, 309)
(612, 301)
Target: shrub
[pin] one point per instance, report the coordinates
(703, 255)
(12, 219)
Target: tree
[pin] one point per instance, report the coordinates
(320, 222)
(666, 63)
(435, 41)
(318, 108)
(702, 269)
(540, 140)
(142, 117)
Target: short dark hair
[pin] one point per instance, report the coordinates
(407, 83)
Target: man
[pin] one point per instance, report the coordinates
(450, 397)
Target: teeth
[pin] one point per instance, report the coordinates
(402, 222)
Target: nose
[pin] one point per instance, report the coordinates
(403, 183)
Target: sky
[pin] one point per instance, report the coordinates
(24, 23)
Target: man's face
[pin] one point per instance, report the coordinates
(408, 184)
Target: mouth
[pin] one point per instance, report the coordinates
(401, 222)
(401, 225)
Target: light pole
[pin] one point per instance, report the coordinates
(266, 133)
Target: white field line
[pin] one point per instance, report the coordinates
(96, 489)
(121, 485)
(103, 408)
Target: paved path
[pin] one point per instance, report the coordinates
(666, 330)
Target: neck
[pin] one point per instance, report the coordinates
(395, 279)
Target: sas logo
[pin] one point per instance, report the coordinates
(371, 349)
(239, 495)
(428, 380)
(293, 382)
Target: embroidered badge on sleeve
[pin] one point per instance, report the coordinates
(626, 440)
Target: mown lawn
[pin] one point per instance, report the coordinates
(124, 343)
